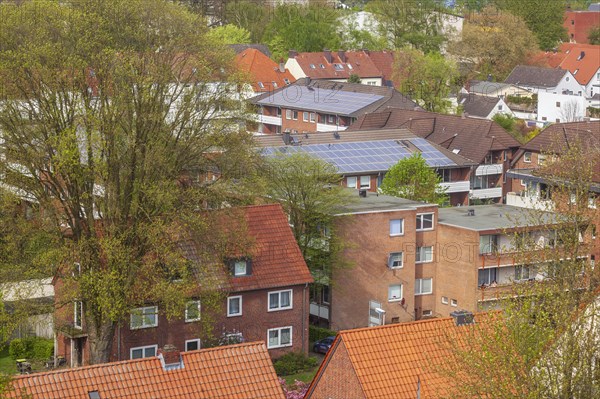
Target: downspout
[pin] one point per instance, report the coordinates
(118, 342)
(304, 317)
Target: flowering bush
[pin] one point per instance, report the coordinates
(295, 391)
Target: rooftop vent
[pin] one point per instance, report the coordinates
(94, 395)
(463, 317)
(362, 193)
(170, 358)
(471, 212)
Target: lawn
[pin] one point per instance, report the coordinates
(307, 375)
(7, 364)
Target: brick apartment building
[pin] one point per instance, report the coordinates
(530, 190)
(484, 142)
(322, 105)
(410, 260)
(267, 300)
(579, 24)
(363, 158)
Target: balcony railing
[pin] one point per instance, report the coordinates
(483, 193)
(457, 186)
(492, 169)
(322, 127)
(270, 120)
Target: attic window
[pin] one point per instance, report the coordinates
(456, 150)
(349, 66)
(575, 73)
(94, 395)
(322, 66)
(261, 85)
(338, 67)
(240, 267)
(274, 84)
(312, 66)
(286, 81)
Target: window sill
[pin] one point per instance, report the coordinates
(234, 315)
(395, 267)
(279, 309)
(142, 327)
(395, 300)
(279, 346)
(397, 235)
(191, 320)
(424, 261)
(425, 293)
(431, 229)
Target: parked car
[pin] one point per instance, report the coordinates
(323, 345)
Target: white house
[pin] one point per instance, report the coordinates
(549, 80)
(560, 107)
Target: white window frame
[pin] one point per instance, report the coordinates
(391, 262)
(401, 227)
(351, 178)
(143, 349)
(420, 216)
(313, 117)
(197, 340)
(261, 85)
(395, 299)
(305, 116)
(419, 255)
(235, 265)
(288, 114)
(541, 159)
(427, 313)
(453, 302)
(142, 313)
(367, 186)
(229, 314)
(279, 307)
(527, 157)
(419, 285)
(78, 308)
(530, 272)
(199, 306)
(295, 115)
(279, 330)
(444, 300)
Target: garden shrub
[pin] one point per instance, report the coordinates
(31, 348)
(294, 362)
(316, 333)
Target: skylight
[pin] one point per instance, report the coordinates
(349, 66)
(338, 67)
(312, 66)
(322, 66)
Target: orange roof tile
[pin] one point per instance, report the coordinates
(569, 57)
(262, 69)
(233, 372)
(355, 62)
(390, 361)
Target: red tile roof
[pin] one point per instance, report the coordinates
(569, 57)
(233, 372)
(579, 23)
(262, 69)
(391, 360)
(356, 62)
(472, 136)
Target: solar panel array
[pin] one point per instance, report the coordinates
(320, 100)
(432, 155)
(360, 157)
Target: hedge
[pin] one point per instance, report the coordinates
(31, 348)
(293, 363)
(316, 333)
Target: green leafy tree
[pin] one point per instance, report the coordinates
(413, 179)
(100, 128)
(310, 192)
(544, 19)
(493, 43)
(250, 15)
(354, 78)
(230, 34)
(409, 23)
(426, 78)
(548, 342)
(594, 35)
(303, 28)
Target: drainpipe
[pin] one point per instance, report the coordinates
(119, 342)
(304, 317)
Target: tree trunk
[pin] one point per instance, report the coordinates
(100, 340)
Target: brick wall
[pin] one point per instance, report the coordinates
(368, 276)
(338, 381)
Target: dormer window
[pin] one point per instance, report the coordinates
(322, 66)
(274, 84)
(240, 267)
(312, 66)
(349, 66)
(261, 85)
(338, 67)
(286, 81)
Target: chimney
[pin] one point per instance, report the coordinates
(362, 193)
(463, 317)
(281, 67)
(342, 55)
(292, 54)
(327, 54)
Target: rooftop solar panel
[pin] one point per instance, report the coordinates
(358, 157)
(321, 100)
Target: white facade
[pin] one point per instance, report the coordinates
(593, 86)
(560, 108)
(567, 85)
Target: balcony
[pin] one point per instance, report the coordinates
(269, 120)
(484, 193)
(456, 187)
(321, 311)
(322, 127)
(492, 169)
(523, 200)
